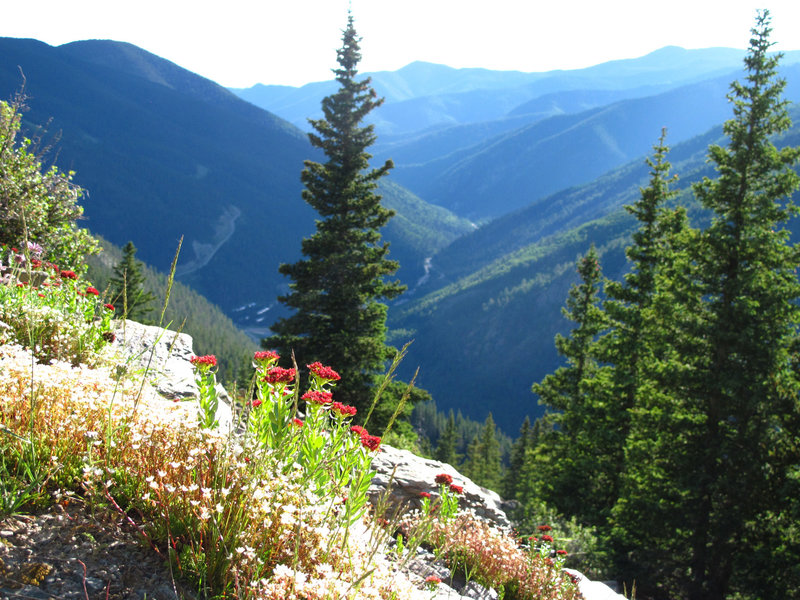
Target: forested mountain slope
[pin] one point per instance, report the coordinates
(492, 304)
(165, 153)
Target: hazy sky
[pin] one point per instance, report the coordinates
(238, 43)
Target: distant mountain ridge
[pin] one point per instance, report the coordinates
(492, 302)
(438, 92)
(165, 153)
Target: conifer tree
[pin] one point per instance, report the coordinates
(628, 347)
(722, 446)
(567, 454)
(446, 448)
(128, 295)
(336, 289)
(483, 462)
(516, 462)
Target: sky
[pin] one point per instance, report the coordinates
(239, 43)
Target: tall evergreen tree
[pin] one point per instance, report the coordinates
(567, 453)
(446, 448)
(516, 460)
(723, 443)
(628, 348)
(483, 462)
(336, 289)
(128, 295)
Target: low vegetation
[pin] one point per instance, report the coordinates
(276, 511)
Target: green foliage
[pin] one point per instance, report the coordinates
(432, 425)
(335, 290)
(38, 204)
(691, 419)
(483, 461)
(212, 332)
(52, 312)
(127, 293)
(733, 402)
(570, 476)
(446, 446)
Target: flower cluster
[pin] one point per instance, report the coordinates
(279, 375)
(323, 372)
(209, 360)
(443, 479)
(69, 320)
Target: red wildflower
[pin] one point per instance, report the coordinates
(36, 263)
(456, 489)
(255, 403)
(265, 356)
(316, 397)
(68, 275)
(433, 580)
(297, 422)
(547, 538)
(424, 495)
(109, 306)
(561, 552)
(280, 375)
(41, 295)
(544, 528)
(323, 372)
(344, 409)
(359, 430)
(209, 359)
(93, 291)
(371, 442)
(444, 479)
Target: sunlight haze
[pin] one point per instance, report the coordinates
(239, 44)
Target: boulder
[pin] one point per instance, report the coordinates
(411, 475)
(163, 358)
(593, 590)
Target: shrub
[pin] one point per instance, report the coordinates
(38, 204)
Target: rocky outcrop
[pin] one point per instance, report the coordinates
(163, 358)
(410, 475)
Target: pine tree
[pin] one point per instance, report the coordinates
(483, 462)
(721, 444)
(628, 347)
(336, 289)
(128, 295)
(448, 442)
(516, 461)
(567, 453)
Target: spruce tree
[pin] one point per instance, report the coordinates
(628, 347)
(483, 463)
(746, 267)
(569, 442)
(128, 295)
(721, 444)
(336, 289)
(446, 447)
(516, 461)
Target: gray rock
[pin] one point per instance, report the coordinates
(593, 590)
(163, 357)
(411, 475)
